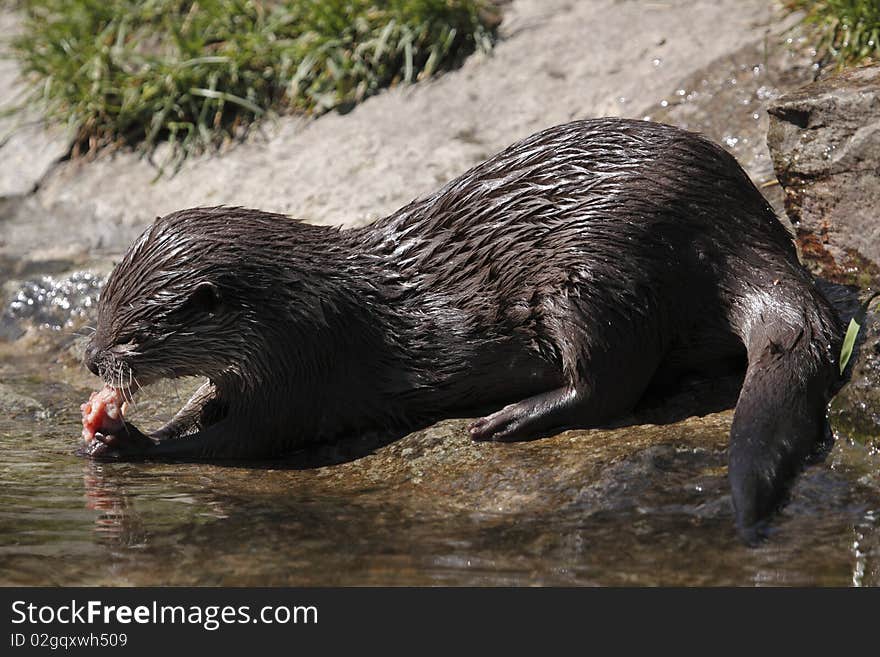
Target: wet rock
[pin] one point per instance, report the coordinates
(14, 405)
(855, 412)
(678, 467)
(825, 143)
(631, 483)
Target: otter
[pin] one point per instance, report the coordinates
(555, 281)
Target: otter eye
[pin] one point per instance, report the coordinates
(135, 338)
(205, 298)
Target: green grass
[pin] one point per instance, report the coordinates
(849, 30)
(198, 73)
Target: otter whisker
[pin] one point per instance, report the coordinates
(128, 394)
(132, 402)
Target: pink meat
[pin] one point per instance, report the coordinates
(102, 413)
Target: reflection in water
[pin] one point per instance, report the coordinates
(116, 522)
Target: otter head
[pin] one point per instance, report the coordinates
(181, 302)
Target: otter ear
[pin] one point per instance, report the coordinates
(205, 298)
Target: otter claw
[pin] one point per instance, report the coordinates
(98, 448)
(105, 446)
(501, 426)
(107, 439)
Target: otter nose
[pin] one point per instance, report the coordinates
(90, 359)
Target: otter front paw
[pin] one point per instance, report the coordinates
(128, 441)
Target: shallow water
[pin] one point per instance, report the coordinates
(635, 505)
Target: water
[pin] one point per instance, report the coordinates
(634, 505)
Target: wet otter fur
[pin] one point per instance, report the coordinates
(555, 281)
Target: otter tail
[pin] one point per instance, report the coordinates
(780, 423)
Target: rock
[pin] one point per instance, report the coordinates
(16, 405)
(28, 148)
(405, 142)
(855, 412)
(825, 143)
(726, 100)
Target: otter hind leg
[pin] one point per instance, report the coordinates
(594, 391)
(532, 417)
(780, 422)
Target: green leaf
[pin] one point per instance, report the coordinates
(849, 342)
(852, 332)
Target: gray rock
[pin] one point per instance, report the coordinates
(558, 60)
(727, 99)
(28, 148)
(825, 143)
(16, 405)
